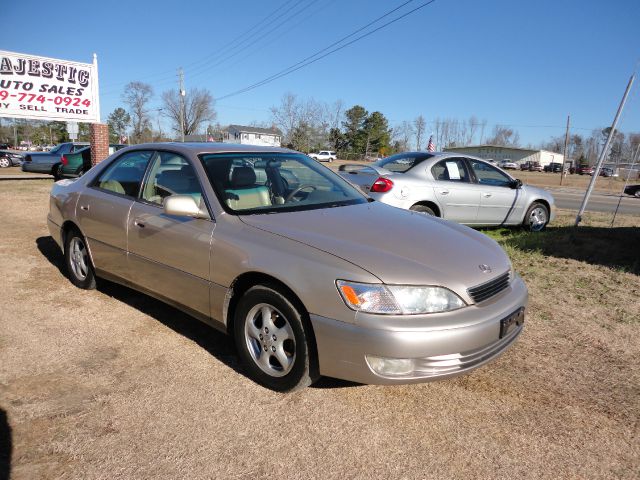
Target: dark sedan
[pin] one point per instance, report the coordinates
(48, 162)
(633, 190)
(10, 159)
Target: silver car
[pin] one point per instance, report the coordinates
(464, 189)
(309, 276)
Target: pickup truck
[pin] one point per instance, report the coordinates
(324, 156)
(48, 162)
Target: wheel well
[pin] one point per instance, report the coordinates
(65, 229)
(543, 202)
(250, 279)
(431, 205)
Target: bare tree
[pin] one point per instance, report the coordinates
(419, 124)
(504, 136)
(286, 116)
(137, 95)
(198, 108)
(402, 135)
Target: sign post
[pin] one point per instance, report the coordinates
(72, 130)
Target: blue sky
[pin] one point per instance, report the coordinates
(522, 63)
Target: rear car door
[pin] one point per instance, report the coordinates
(103, 211)
(169, 255)
(500, 203)
(457, 196)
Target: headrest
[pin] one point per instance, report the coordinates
(243, 177)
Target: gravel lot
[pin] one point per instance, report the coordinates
(113, 384)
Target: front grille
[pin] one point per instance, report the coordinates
(487, 290)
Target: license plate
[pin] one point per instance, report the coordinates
(511, 322)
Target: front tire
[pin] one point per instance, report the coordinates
(77, 260)
(423, 209)
(5, 162)
(537, 217)
(272, 341)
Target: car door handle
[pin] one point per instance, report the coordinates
(486, 195)
(138, 223)
(444, 192)
(84, 207)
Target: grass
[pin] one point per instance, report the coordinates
(113, 384)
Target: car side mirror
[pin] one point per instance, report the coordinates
(516, 183)
(183, 206)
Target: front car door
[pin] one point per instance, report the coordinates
(453, 189)
(169, 255)
(500, 203)
(103, 212)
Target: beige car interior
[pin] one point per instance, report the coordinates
(244, 193)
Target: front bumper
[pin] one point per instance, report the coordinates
(442, 345)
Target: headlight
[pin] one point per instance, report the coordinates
(398, 299)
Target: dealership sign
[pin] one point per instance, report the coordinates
(42, 88)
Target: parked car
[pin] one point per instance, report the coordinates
(76, 164)
(606, 172)
(464, 189)
(508, 165)
(553, 167)
(531, 166)
(633, 190)
(10, 159)
(48, 162)
(301, 277)
(584, 170)
(324, 156)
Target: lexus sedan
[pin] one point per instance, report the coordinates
(310, 276)
(464, 189)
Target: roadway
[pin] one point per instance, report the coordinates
(571, 199)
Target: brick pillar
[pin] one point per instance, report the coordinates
(99, 142)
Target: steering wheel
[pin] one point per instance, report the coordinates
(297, 191)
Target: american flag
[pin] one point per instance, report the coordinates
(430, 146)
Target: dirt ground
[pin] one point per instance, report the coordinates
(112, 384)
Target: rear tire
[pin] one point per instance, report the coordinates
(423, 209)
(55, 171)
(272, 341)
(5, 162)
(536, 218)
(78, 262)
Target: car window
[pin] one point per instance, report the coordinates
(488, 175)
(402, 162)
(124, 175)
(253, 183)
(451, 170)
(171, 174)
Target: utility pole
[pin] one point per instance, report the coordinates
(566, 150)
(182, 94)
(604, 151)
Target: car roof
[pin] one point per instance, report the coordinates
(211, 147)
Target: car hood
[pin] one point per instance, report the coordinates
(397, 246)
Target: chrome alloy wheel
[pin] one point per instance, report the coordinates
(5, 162)
(270, 340)
(79, 258)
(538, 218)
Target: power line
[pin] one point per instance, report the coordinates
(169, 74)
(303, 63)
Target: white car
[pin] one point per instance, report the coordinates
(508, 165)
(324, 156)
(461, 188)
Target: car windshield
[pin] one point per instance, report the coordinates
(254, 183)
(402, 162)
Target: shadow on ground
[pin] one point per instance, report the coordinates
(617, 248)
(218, 344)
(6, 446)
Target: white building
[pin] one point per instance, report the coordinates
(266, 137)
(512, 154)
